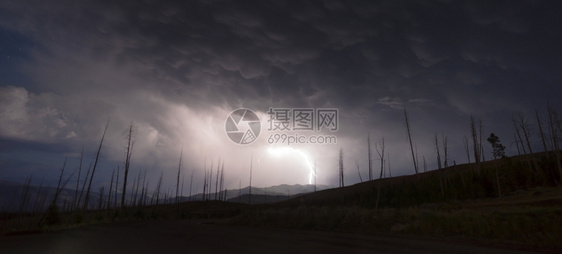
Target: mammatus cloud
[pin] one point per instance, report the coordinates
(394, 103)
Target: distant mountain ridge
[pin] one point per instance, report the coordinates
(14, 198)
(263, 194)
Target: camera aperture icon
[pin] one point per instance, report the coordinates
(243, 126)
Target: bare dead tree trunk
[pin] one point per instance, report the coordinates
(358, 172)
(217, 179)
(417, 155)
(525, 128)
(543, 139)
(143, 190)
(517, 128)
(182, 184)
(552, 124)
(84, 184)
(250, 191)
(178, 185)
(130, 144)
(475, 143)
(146, 193)
(132, 195)
(446, 154)
(116, 188)
(388, 160)
(519, 138)
(158, 187)
(210, 181)
(445, 151)
(517, 143)
(100, 201)
(370, 158)
(410, 139)
(60, 187)
(481, 143)
(136, 184)
(168, 196)
(221, 182)
(218, 189)
(108, 205)
(204, 179)
(341, 168)
(76, 201)
(381, 157)
(559, 130)
(25, 197)
(496, 167)
(439, 165)
(438, 153)
(466, 148)
(221, 189)
(178, 178)
(87, 199)
(315, 172)
(43, 199)
(204, 185)
(190, 185)
(35, 208)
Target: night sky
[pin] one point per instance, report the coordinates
(177, 69)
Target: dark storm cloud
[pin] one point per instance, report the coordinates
(155, 63)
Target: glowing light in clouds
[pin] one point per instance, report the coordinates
(293, 152)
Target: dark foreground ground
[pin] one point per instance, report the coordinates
(190, 236)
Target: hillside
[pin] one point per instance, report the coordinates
(459, 203)
(502, 202)
(455, 183)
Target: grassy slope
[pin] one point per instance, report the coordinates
(531, 218)
(529, 213)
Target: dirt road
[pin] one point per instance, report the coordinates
(205, 237)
